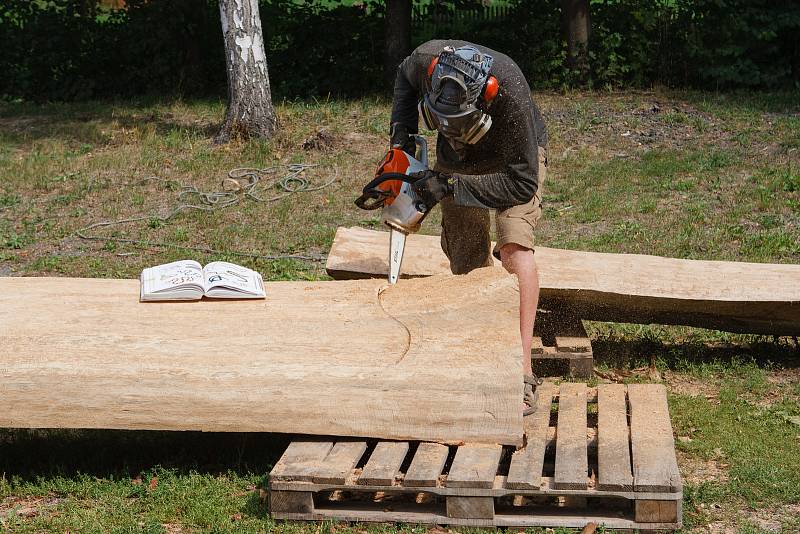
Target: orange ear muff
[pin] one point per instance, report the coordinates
(432, 66)
(490, 90)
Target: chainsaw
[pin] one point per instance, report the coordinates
(391, 189)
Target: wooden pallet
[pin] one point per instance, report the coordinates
(603, 455)
(562, 338)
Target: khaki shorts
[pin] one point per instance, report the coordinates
(465, 231)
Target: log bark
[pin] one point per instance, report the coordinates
(398, 36)
(250, 112)
(751, 298)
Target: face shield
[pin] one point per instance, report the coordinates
(466, 127)
(451, 106)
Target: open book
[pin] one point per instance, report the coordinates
(188, 280)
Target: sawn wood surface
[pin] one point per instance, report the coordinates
(758, 298)
(431, 359)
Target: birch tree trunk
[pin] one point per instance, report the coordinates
(250, 112)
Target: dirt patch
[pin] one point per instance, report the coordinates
(321, 140)
(696, 471)
(783, 382)
(28, 507)
(365, 145)
(632, 122)
(18, 125)
(682, 384)
(718, 527)
(784, 377)
(773, 519)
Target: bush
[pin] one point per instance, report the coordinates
(315, 50)
(64, 50)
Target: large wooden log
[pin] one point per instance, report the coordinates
(434, 359)
(757, 298)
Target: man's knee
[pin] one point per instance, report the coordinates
(465, 237)
(511, 254)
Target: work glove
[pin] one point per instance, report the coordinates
(402, 139)
(432, 186)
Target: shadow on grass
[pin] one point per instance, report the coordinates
(742, 101)
(29, 454)
(683, 356)
(256, 505)
(88, 122)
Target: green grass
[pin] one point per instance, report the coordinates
(752, 442)
(712, 176)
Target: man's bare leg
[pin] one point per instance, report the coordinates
(519, 260)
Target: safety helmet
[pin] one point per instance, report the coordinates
(461, 90)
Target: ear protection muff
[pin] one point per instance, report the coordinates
(490, 89)
(432, 66)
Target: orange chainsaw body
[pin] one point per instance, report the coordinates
(396, 160)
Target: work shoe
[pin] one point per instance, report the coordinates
(530, 395)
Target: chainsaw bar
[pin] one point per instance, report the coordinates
(397, 245)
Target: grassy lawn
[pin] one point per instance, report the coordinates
(683, 174)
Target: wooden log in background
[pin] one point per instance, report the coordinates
(756, 298)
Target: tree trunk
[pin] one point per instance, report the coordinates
(576, 30)
(398, 36)
(250, 112)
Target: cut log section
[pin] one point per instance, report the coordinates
(434, 360)
(757, 298)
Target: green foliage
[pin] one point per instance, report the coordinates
(14, 241)
(62, 50)
(751, 43)
(323, 50)
(55, 50)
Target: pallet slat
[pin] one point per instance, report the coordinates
(613, 439)
(566, 340)
(339, 463)
(291, 502)
(426, 466)
(655, 467)
(384, 463)
(300, 460)
(573, 344)
(474, 466)
(647, 511)
(525, 471)
(499, 490)
(470, 507)
(429, 514)
(572, 463)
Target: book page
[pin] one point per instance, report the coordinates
(184, 276)
(223, 279)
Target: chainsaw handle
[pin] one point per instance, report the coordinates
(422, 153)
(373, 198)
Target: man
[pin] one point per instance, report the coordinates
(490, 154)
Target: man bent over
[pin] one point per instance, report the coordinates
(490, 154)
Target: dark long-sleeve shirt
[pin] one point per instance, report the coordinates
(502, 169)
